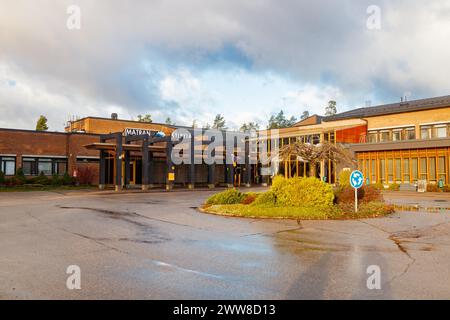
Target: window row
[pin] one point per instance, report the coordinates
(406, 170)
(47, 166)
(311, 138)
(399, 134)
(435, 131)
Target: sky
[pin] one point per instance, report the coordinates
(192, 59)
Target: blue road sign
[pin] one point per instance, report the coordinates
(356, 179)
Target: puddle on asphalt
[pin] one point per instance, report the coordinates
(419, 208)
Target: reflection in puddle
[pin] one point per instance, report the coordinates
(417, 208)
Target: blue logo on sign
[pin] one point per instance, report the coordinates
(160, 134)
(356, 179)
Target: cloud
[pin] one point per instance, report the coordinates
(160, 57)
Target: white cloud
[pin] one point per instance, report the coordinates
(321, 47)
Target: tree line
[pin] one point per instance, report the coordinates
(276, 121)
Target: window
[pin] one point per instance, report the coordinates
(374, 170)
(8, 165)
(45, 166)
(441, 131)
(425, 132)
(332, 137)
(432, 166)
(384, 136)
(410, 133)
(441, 168)
(423, 168)
(397, 135)
(60, 167)
(48, 166)
(414, 169)
(398, 170)
(383, 170)
(406, 170)
(29, 166)
(390, 170)
(316, 139)
(372, 137)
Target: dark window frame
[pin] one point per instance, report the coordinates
(34, 170)
(4, 159)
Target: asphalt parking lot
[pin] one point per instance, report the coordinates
(158, 246)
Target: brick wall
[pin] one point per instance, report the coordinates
(38, 143)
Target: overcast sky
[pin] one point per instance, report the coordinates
(192, 59)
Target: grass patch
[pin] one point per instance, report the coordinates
(299, 198)
(242, 210)
(369, 210)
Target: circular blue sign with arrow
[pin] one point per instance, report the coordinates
(356, 179)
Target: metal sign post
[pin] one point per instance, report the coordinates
(356, 181)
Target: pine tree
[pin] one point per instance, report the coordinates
(305, 115)
(41, 124)
(331, 109)
(219, 123)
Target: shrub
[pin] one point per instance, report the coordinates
(85, 175)
(2, 177)
(67, 179)
(13, 181)
(302, 192)
(446, 188)
(371, 194)
(19, 178)
(378, 185)
(42, 179)
(366, 193)
(249, 197)
(56, 180)
(394, 187)
(267, 199)
(347, 195)
(375, 209)
(344, 178)
(230, 196)
(432, 188)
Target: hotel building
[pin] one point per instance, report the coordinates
(395, 143)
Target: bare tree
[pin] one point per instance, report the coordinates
(314, 154)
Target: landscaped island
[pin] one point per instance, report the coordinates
(300, 198)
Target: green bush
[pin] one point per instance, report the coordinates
(394, 187)
(375, 209)
(13, 181)
(378, 185)
(20, 177)
(67, 179)
(344, 178)
(42, 179)
(267, 199)
(302, 192)
(230, 196)
(56, 180)
(2, 177)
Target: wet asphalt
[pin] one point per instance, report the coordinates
(159, 246)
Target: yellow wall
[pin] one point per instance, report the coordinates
(415, 118)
